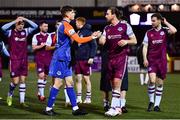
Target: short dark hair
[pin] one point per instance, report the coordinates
(116, 11)
(157, 15)
(66, 9)
(42, 22)
(20, 22)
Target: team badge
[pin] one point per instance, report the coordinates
(23, 33)
(120, 29)
(162, 33)
(39, 69)
(58, 72)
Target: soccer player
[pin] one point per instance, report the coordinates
(51, 45)
(105, 85)
(118, 35)
(144, 77)
(17, 39)
(154, 56)
(60, 67)
(4, 51)
(42, 58)
(84, 54)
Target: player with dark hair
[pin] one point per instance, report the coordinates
(60, 67)
(117, 36)
(154, 56)
(42, 58)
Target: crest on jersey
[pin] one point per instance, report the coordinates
(22, 33)
(39, 69)
(120, 29)
(58, 72)
(162, 33)
(151, 35)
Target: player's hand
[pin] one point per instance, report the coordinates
(122, 43)
(18, 19)
(96, 34)
(23, 18)
(164, 21)
(43, 44)
(90, 61)
(146, 63)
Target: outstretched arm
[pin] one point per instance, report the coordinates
(74, 36)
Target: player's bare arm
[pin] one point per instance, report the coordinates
(131, 41)
(78, 39)
(50, 47)
(145, 46)
(102, 40)
(36, 47)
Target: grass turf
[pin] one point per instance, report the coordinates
(137, 101)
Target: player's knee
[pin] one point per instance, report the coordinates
(79, 81)
(152, 82)
(57, 85)
(41, 76)
(16, 82)
(88, 82)
(69, 83)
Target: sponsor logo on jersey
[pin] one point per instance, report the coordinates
(20, 39)
(114, 36)
(157, 41)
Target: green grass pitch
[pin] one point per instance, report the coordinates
(137, 100)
